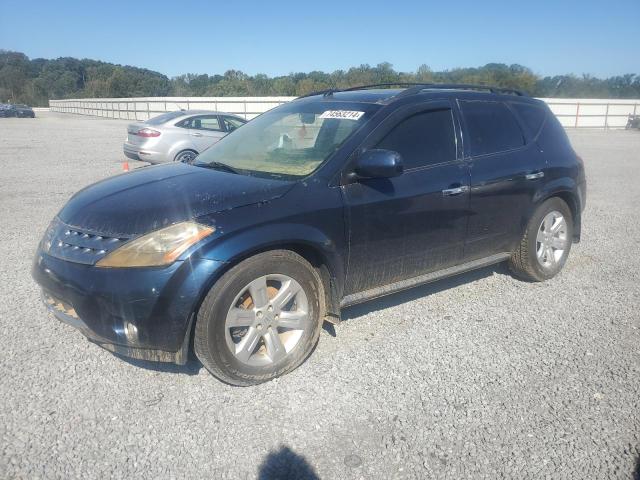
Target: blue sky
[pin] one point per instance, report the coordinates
(278, 37)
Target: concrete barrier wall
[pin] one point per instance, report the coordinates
(593, 113)
(572, 112)
(144, 108)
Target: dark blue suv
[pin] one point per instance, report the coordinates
(326, 201)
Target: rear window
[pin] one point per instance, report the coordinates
(165, 117)
(491, 127)
(531, 115)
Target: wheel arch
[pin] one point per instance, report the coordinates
(306, 241)
(567, 192)
(316, 257)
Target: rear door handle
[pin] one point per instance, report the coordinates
(533, 176)
(450, 192)
(196, 134)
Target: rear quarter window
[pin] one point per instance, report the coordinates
(553, 138)
(491, 127)
(531, 115)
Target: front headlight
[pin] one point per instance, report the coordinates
(158, 248)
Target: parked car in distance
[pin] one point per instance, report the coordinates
(24, 111)
(329, 200)
(16, 110)
(7, 110)
(178, 136)
(633, 121)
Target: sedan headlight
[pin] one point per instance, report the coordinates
(158, 248)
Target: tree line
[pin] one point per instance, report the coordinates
(35, 81)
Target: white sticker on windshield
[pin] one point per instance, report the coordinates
(342, 114)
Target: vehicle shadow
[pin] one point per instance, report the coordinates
(414, 293)
(636, 473)
(285, 464)
(192, 367)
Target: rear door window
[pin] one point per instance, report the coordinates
(491, 127)
(423, 139)
(202, 122)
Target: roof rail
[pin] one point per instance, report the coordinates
(414, 88)
(461, 86)
(327, 92)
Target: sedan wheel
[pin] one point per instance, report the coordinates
(186, 157)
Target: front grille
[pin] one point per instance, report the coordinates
(78, 245)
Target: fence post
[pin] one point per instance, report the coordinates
(577, 114)
(606, 117)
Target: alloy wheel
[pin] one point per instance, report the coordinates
(551, 240)
(186, 157)
(266, 320)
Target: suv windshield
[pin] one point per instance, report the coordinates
(290, 141)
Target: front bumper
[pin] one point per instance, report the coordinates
(143, 313)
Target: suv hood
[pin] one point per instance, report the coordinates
(152, 197)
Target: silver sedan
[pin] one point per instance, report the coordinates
(177, 136)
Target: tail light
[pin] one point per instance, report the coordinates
(148, 132)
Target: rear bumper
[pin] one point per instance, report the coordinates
(143, 313)
(136, 153)
(130, 154)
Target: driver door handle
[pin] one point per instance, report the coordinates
(196, 134)
(450, 192)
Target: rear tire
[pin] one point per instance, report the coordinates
(185, 156)
(261, 319)
(546, 243)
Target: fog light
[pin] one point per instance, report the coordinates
(131, 332)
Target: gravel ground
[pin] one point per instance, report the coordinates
(479, 376)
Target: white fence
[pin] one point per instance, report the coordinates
(572, 112)
(143, 108)
(593, 113)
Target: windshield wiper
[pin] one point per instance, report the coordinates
(218, 166)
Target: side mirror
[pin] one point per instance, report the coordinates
(379, 164)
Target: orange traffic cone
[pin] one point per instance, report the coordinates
(125, 166)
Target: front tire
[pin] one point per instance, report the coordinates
(261, 319)
(546, 243)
